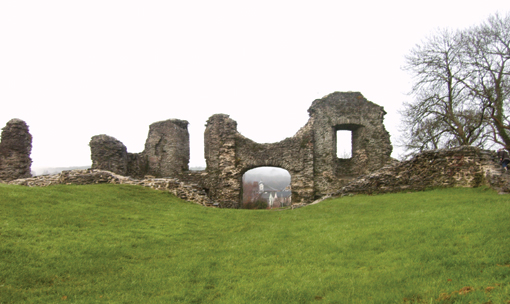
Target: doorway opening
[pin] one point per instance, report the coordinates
(266, 188)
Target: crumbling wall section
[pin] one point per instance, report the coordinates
(464, 166)
(294, 154)
(184, 190)
(309, 156)
(229, 155)
(167, 148)
(371, 146)
(166, 152)
(108, 153)
(15, 149)
(222, 182)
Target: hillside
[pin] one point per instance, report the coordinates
(128, 244)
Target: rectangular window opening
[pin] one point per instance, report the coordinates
(344, 144)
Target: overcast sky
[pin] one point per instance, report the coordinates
(75, 69)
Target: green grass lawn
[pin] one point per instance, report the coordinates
(128, 244)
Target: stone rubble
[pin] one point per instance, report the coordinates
(185, 191)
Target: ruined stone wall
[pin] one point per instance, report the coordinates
(15, 149)
(167, 148)
(229, 155)
(371, 146)
(458, 167)
(166, 152)
(309, 156)
(185, 190)
(222, 180)
(464, 166)
(108, 153)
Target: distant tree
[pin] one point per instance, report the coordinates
(461, 88)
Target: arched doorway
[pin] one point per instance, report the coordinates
(266, 188)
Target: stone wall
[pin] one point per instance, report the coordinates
(229, 155)
(371, 146)
(464, 166)
(309, 156)
(108, 153)
(458, 167)
(15, 149)
(166, 152)
(167, 148)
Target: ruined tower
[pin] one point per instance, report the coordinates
(15, 149)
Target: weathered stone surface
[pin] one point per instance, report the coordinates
(371, 146)
(108, 153)
(458, 167)
(167, 148)
(309, 156)
(229, 155)
(166, 152)
(15, 149)
(464, 166)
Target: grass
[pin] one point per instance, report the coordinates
(127, 244)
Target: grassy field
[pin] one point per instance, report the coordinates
(127, 244)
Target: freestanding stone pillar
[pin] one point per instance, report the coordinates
(167, 148)
(15, 149)
(108, 153)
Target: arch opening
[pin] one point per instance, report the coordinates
(266, 188)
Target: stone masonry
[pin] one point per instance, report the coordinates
(166, 152)
(108, 153)
(371, 146)
(229, 155)
(458, 167)
(185, 191)
(15, 149)
(309, 156)
(463, 166)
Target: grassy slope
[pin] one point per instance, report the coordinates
(127, 244)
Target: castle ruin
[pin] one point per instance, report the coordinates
(309, 156)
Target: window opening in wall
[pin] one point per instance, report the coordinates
(344, 144)
(266, 188)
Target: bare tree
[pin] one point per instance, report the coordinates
(443, 113)
(486, 72)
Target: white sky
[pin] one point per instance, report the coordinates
(75, 69)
